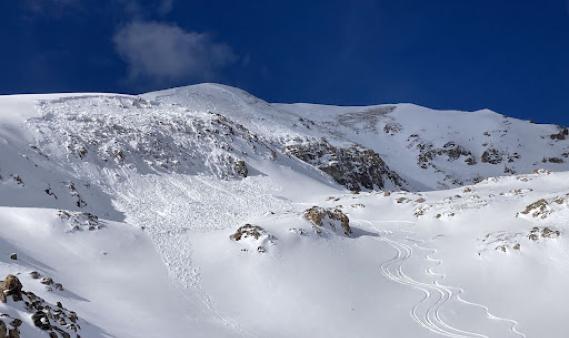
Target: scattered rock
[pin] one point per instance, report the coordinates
(537, 233)
(56, 321)
(492, 156)
(428, 152)
(79, 221)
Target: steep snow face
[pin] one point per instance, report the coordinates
(430, 149)
(203, 209)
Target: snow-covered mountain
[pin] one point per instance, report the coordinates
(205, 211)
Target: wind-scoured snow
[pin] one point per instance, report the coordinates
(190, 211)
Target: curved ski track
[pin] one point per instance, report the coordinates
(427, 312)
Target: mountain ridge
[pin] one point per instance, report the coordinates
(204, 209)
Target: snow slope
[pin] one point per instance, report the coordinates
(130, 201)
(430, 149)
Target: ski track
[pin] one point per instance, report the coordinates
(459, 291)
(427, 312)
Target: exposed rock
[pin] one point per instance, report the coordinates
(556, 160)
(18, 179)
(492, 156)
(253, 237)
(79, 202)
(241, 168)
(56, 321)
(420, 211)
(400, 200)
(501, 241)
(247, 230)
(41, 320)
(392, 128)
(46, 281)
(79, 221)
(561, 135)
(322, 217)
(354, 167)
(11, 286)
(549, 233)
(502, 248)
(539, 208)
(537, 233)
(14, 256)
(542, 171)
(428, 152)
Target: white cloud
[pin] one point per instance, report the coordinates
(167, 54)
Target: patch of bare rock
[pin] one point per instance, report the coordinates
(332, 218)
(355, 167)
(55, 320)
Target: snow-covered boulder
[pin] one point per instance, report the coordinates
(253, 237)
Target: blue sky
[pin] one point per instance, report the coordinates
(507, 55)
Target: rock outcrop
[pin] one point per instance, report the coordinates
(354, 167)
(332, 218)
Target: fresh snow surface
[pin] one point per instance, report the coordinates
(130, 201)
